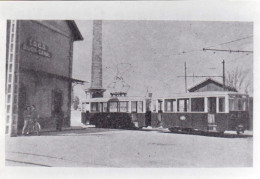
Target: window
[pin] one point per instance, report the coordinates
(123, 106)
(183, 105)
(104, 109)
(240, 104)
(113, 106)
(245, 104)
(170, 105)
(237, 104)
(174, 106)
(154, 105)
(140, 106)
(94, 107)
(221, 104)
(133, 106)
(197, 104)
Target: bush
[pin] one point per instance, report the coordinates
(112, 120)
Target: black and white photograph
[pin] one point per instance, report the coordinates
(128, 93)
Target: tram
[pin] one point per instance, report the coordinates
(131, 110)
(217, 111)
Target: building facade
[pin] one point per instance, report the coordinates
(39, 70)
(210, 85)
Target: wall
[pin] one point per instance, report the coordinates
(56, 38)
(58, 45)
(39, 93)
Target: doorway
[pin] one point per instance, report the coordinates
(212, 104)
(56, 100)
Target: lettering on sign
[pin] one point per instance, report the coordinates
(36, 47)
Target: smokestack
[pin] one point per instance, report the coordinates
(96, 89)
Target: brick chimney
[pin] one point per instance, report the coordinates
(96, 90)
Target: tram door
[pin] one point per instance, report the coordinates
(134, 119)
(212, 104)
(148, 118)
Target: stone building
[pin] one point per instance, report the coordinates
(39, 70)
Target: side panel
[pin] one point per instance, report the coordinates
(141, 119)
(236, 118)
(154, 120)
(189, 120)
(221, 120)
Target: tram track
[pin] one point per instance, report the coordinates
(52, 157)
(29, 163)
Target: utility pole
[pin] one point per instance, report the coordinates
(185, 74)
(223, 62)
(201, 76)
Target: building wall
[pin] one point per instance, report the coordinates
(58, 45)
(38, 92)
(55, 38)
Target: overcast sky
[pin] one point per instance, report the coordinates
(154, 50)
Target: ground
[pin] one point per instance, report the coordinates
(94, 147)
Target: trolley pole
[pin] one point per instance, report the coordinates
(223, 62)
(185, 74)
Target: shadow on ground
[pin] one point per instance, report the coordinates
(212, 134)
(106, 131)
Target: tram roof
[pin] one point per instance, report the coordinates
(173, 96)
(202, 94)
(121, 98)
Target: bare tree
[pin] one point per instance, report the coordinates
(239, 80)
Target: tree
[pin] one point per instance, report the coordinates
(239, 79)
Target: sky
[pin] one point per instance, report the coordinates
(153, 53)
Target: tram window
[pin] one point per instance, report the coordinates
(154, 105)
(140, 106)
(170, 105)
(174, 106)
(231, 104)
(123, 106)
(241, 104)
(197, 104)
(237, 104)
(94, 107)
(221, 105)
(244, 104)
(113, 106)
(183, 105)
(133, 106)
(104, 107)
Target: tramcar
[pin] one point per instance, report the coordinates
(134, 107)
(200, 111)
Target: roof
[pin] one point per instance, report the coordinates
(207, 81)
(119, 98)
(52, 75)
(201, 94)
(75, 30)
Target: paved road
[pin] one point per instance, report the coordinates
(94, 147)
